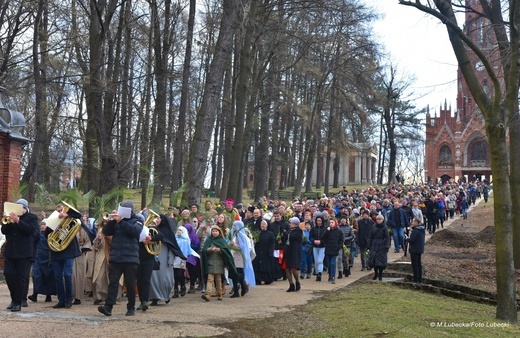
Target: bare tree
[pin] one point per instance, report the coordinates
(499, 108)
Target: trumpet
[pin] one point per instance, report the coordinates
(106, 216)
(8, 209)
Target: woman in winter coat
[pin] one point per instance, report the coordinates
(378, 245)
(333, 239)
(292, 253)
(416, 242)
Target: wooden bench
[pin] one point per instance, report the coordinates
(311, 194)
(285, 195)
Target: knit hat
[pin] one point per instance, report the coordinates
(24, 203)
(128, 204)
(295, 220)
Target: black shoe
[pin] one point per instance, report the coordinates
(175, 293)
(291, 288)
(105, 310)
(235, 295)
(154, 302)
(68, 305)
(244, 290)
(318, 277)
(48, 298)
(375, 276)
(130, 312)
(183, 291)
(24, 303)
(333, 281)
(33, 297)
(77, 301)
(298, 286)
(59, 306)
(192, 289)
(340, 275)
(16, 308)
(143, 307)
(10, 306)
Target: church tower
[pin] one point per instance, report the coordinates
(456, 144)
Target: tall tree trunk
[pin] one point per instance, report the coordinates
(178, 146)
(206, 115)
(39, 39)
(242, 94)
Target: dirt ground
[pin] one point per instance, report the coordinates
(450, 254)
(464, 252)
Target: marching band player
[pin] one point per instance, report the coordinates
(63, 261)
(124, 257)
(20, 232)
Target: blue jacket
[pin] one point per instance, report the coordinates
(125, 240)
(391, 221)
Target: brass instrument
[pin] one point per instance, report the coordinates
(11, 207)
(65, 232)
(106, 216)
(153, 248)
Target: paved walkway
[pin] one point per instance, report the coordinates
(185, 316)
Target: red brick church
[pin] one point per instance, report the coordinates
(456, 142)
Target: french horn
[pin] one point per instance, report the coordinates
(154, 247)
(65, 232)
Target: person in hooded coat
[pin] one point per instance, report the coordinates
(378, 245)
(215, 256)
(194, 266)
(242, 259)
(180, 265)
(163, 281)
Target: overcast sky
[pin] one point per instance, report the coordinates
(419, 46)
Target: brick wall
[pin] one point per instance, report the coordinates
(10, 163)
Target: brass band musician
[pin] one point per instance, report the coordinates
(20, 232)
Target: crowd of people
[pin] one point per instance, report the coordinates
(225, 248)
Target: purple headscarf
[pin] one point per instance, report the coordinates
(193, 236)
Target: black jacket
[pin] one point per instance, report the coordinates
(364, 228)
(20, 237)
(315, 234)
(416, 240)
(125, 240)
(333, 241)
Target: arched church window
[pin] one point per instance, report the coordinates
(445, 155)
(479, 151)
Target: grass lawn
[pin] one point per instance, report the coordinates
(369, 309)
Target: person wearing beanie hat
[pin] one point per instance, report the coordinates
(292, 254)
(21, 233)
(124, 258)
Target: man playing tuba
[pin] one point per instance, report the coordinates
(63, 261)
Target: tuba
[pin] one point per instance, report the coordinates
(65, 232)
(153, 248)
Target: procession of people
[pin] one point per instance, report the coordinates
(158, 256)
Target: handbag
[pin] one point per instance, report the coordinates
(156, 263)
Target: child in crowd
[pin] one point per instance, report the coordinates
(215, 256)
